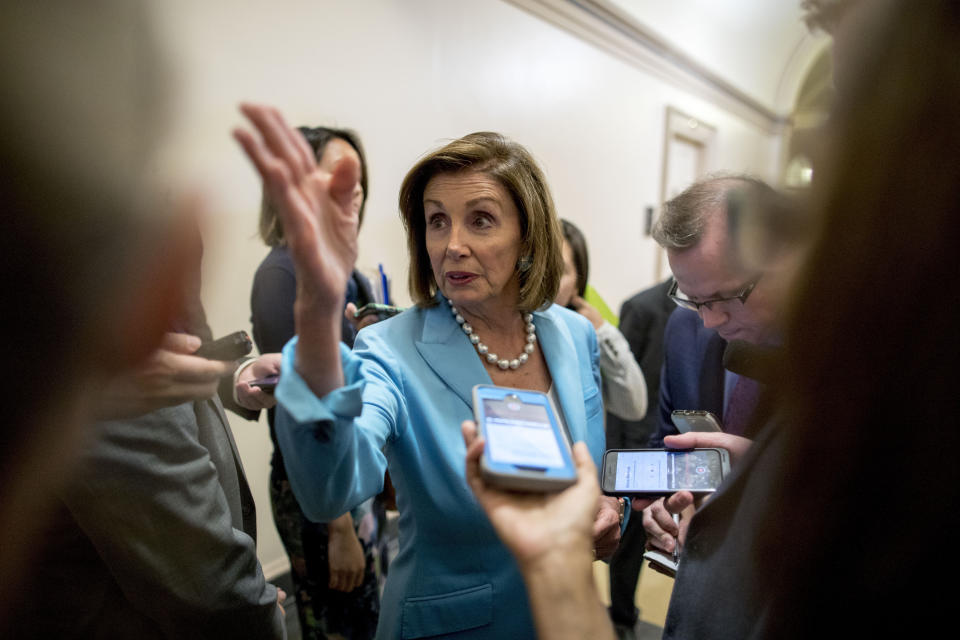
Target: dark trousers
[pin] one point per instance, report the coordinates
(625, 571)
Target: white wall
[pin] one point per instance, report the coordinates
(408, 75)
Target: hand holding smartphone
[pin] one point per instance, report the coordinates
(267, 385)
(383, 311)
(662, 562)
(704, 421)
(526, 447)
(231, 347)
(659, 472)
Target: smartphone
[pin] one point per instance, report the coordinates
(658, 472)
(267, 385)
(695, 421)
(527, 448)
(231, 347)
(383, 310)
(664, 562)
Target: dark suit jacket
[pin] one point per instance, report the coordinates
(643, 319)
(155, 538)
(693, 374)
(718, 592)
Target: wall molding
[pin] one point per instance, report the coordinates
(606, 26)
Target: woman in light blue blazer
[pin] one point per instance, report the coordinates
(485, 263)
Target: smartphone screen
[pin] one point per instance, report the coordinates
(520, 434)
(658, 471)
(526, 447)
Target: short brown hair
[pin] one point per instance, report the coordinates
(681, 224)
(515, 169)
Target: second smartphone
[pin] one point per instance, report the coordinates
(658, 472)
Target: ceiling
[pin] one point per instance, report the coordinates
(761, 47)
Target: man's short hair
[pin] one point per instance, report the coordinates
(683, 219)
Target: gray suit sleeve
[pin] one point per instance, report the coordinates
(149, 498)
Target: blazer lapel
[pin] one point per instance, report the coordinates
(560, 354)
(448, 352)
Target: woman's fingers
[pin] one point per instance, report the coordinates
(291, 144)
(266, 164)
(279, 138)
(343, 180)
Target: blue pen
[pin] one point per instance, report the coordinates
(383, 284)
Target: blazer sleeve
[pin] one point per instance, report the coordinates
(333, 446)
(149, 499)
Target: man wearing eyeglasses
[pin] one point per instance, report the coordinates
(720, 300)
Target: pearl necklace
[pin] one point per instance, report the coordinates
(484, 351)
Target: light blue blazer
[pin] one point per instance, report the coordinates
(408, 388)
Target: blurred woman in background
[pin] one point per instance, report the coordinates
(624, 389)
(331, 565)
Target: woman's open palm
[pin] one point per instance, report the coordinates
(319, 224)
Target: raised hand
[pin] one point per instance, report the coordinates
(320, 227)
(315, 207)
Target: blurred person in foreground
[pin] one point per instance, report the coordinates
(484, 245)
(79, 244)
(799, 543)
(136, 526)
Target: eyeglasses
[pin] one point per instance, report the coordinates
(683, 301)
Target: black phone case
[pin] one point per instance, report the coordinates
(231, 347)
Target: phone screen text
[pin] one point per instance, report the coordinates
(520, 434)
(667, 470)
